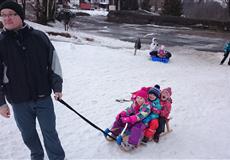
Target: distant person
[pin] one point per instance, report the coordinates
(29, 71)
(226, 53)
(162, 53)
(159, 51)
(66, 19)
(154, 46)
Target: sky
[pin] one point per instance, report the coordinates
(100, 70)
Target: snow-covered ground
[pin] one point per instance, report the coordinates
(98, 70)
(95, 12)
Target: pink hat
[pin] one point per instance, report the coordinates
(169, 90)
(145, 89)
(142, 93)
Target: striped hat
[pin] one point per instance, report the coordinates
(155, 90)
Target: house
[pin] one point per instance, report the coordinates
(85, 4)
(75, 2)
(135, 4)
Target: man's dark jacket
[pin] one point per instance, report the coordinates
(29, 66)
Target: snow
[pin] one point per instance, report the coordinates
(223, 3)
(95, 12)
(99, 71)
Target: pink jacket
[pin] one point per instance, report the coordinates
(166, 108)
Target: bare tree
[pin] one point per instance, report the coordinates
(145, 5)
(228, 4)
(45, 10)
(24, 5)
(172, 7)
(139, 4)
(205, 10)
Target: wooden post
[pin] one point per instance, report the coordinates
(135, 52)
(137, 45)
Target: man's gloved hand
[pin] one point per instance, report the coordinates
(5, 111)
(57, 95)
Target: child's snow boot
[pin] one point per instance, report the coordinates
(144, 140)
(127, 146)
(156, 138)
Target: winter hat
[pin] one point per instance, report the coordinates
(169, 90)
(153, 39)
(162, 47)
(142, 93)
(14, 6)
(145, 89)
(155, 90)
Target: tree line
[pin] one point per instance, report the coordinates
(46, 9)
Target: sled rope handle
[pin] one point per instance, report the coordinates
(123, 131)
(88, 121)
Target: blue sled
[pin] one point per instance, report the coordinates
(158, 59)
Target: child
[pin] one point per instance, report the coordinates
(162, 53)
(165, 101)
(133, 115)
(154, 47)
(152, 119)
(226, 53)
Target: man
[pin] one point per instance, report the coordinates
(66, 16)
(226, 53)
(29, 71)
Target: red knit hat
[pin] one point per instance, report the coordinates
(169, 90)
(142, 93)
(144, 89)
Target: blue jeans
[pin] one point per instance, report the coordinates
(25, 115)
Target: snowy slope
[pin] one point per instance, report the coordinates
(97, 72)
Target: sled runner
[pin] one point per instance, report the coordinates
(168, 129)
(119, 139)
(158, 59)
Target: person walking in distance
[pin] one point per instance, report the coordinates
(226, 53)
(29, 72)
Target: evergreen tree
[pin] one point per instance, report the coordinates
(129, 5)
(145, 5)
(172, 7)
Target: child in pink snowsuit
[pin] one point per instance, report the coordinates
(165, 101)
(133, 115)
